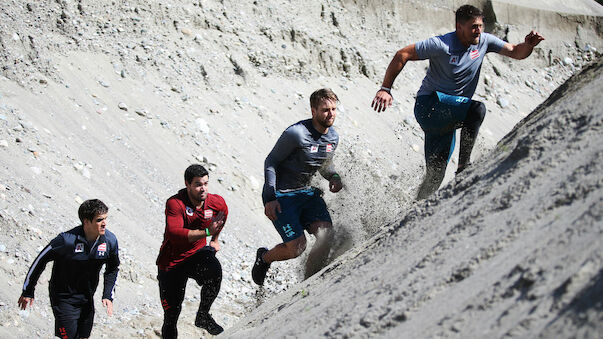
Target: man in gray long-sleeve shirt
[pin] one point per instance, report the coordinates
(289, 201)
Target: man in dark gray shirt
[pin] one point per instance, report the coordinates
(289, 201)
(444, 100)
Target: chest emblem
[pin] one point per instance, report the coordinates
(329, 148)
(474, 54)
(208, 214)
(313, 148)
(189, 211)
(454, 60)
(79, 248)
(102, 249)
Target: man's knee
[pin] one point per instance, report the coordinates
(476, 113)
(207, 270)
(296, 247)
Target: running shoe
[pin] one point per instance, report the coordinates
(260, 267)
(205, 321)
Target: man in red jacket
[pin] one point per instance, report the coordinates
(191, 216)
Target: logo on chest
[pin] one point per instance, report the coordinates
(189, 211)
(329, 148)
(474, 54)
(208, 214)
(454, 60)
(102, 249)
(79, 248)
(313, 148)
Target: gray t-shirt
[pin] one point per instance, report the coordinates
(297, 155)
(453, 68)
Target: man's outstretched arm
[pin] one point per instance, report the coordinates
(383, 98)
(524, 49)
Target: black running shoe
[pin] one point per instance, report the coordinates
(260, 267)
(205, 321)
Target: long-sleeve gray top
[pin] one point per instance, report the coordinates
(299, 152)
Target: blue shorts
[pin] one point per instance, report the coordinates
(439, 116)
(298, 210)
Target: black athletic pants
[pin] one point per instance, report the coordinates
(205, 269)
(73, 316)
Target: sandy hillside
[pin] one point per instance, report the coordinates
(512, 248)
(112, 100)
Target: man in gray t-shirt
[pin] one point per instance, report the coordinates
(289, 202)
(444, 102)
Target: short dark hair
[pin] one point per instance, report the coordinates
(91, 208)
(322, 94)
(467, 12)
(195, 170)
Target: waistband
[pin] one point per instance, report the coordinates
(297, 191)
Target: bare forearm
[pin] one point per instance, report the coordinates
(194, 235)
(215, 237)
(397, 64)
(522, 51)
(393, 69)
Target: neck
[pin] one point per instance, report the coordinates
(197, 203)
(465, 43)
(320, 128)
(90, 237)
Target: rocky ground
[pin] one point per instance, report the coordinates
(112, 100)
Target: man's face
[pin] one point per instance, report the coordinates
(95, 227)
(198, 188)
(470, 31)
(325, 113)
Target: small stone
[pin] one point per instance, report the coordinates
(36, 170)
(86, 173)
(488, 80)
(255, 184)
(122, 106)
(202, 125)
(104, 84)
(16, 37)
(202, 158)
(123, 73)
(502, 102)
(3, 143)
(26, 125)
(415, 148)
(568, 61)
(43, 81)
(78, 200)
(142, 112)
(186, 31)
